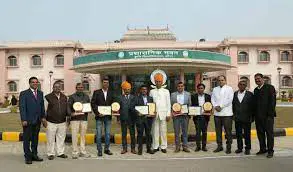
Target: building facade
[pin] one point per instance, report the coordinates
(52, 61)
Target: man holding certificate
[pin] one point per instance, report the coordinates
(161, 97)
(201, 121)
(180, 116)
(222, 98)
(144, 119)
(103, 98)
(78, 120)
(127, 117)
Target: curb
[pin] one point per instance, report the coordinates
(117, 138)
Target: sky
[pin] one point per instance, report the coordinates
(107, 20)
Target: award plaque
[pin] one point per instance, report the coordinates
(184, 109)
(77, 107)
(152, 109)
(176, 107)
(86, 108)
(143, 110)
(195, 110)
(115, 107)
(207, 107)
(105, 110)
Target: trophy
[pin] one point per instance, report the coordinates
(115, 108)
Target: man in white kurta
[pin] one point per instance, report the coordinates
(222, 98)
(161, 97)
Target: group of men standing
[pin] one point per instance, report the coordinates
(242, 106)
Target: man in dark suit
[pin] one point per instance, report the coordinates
(243, 115)
(201, 122)
(127, 117)
(32, 113)
(144, 123)
(103, 97)
(265, 104)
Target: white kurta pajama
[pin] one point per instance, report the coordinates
(162, 100)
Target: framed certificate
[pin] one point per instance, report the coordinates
(143, 110)
(184, 109)
(194, 110)
(86, 107)
(152, 109)
(105, 110)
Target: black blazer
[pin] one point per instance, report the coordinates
(139, 101)
(243, 111)
(265, 101)
(127, 111)
(98, 99)
(194, 102)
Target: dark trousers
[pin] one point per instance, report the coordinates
(144, 124)
(243, 128)
(128, 124)
(226, 122)
(265, 129)
(201, 127)
(180, 123)
(31, 140)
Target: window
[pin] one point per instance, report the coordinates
(39, 86)
(246, 79)
(86, 85)
(61, 82)
(287, 81)
(12, 86)
(36, 60)
(59, 60)
(12, 61)
(243, 57)
(286, 56)
(267, 79)
(264, 56)
(214, 83)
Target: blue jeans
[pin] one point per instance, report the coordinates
(181, 122)
(107, 127)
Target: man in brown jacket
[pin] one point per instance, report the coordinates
(56, 119)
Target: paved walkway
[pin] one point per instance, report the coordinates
(11, 159)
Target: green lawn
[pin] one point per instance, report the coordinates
(11, 122)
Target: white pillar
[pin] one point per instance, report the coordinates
(182, 76)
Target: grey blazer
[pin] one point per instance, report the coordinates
(187, 98)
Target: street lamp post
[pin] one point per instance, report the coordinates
(50, 75)
(279, 71)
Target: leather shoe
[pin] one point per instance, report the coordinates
(139, 153)
(50, 157)
(150, 151)
(270, 155)
(177, 149)
(261, 152)
(36, 158)
(247, 152)
(185, 149)
(164, 150)
(197, 149)
(108, 152)
(228, 151)
(133, 151)
(62, 156)
(123, 151)
(219, 149)
(238, 151)
(27, 161)
(204, 149)
(100, 153)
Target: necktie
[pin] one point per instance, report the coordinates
(35, 94)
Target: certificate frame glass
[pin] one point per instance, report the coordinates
(195, 110)
(152, 109)
(143, 110)
(184, 109)
(86, 108)
(105, 110)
